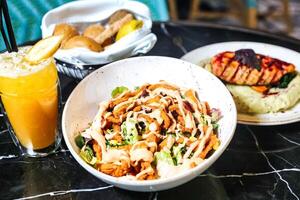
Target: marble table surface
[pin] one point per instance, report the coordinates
(259, 163)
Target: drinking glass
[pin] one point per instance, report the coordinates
(30, 100)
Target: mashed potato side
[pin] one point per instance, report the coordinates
(249, 101)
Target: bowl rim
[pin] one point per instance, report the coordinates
(119, 180)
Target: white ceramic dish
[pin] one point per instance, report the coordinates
(289, 116)
(83, 13)
(82, 106)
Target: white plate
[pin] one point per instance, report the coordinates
(82, 106)
(289, 116)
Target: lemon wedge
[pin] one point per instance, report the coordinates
(129, 27)
(43, 49)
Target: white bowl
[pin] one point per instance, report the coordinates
(82, 106)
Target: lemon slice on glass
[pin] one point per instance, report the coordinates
(128, 28)
(43, 49)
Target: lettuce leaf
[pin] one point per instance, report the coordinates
(118, 90)
(129, 131)
(164, 156)
(87, 155)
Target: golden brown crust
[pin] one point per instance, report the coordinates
(82, 41)
(93, 31)
(67, 30)
(117, 16)
(149, 175)
(166, 119)
(114, 169)
(112, 29)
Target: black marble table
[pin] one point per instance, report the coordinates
(259, 163)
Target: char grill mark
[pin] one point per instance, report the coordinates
(221, 61)
(277, 76)
(253, 77)
(229, 69)
(241, 75)
(268, 74)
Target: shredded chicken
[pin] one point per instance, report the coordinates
(137, 130)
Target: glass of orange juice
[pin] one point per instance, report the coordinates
(30, 100)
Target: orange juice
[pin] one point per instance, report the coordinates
(30, 98)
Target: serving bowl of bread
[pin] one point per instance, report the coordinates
(98, 32)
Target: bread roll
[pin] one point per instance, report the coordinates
(93, 31)
(67, 30)
(116, 16)
(112, 29)
(84, 42)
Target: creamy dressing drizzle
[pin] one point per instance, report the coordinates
(137, 153)
(189, 121)
(145, 136)
(203, 141)
(140, 150)
(190, 149)
(130, 106)
(109, 155)
(106, 115)
(170, 141)
(129, 115)
(99, 139)
(115, 155)
(95, 131)
(148, 170)
(166, 170)
(152, 127)
(196, 106)
(173, 94)
(164, 101)
(99, 122)
(156, 114)
(200, 127)
(122, 104)
(111, 135)
(141, 154)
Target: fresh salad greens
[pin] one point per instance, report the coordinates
(118, 90)
(150, 126)
(129, 131)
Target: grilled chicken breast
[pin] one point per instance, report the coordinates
(245, 67)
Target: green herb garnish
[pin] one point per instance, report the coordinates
(286, 79)
(79, 140)
(118, 90)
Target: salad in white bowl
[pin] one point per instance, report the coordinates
(155, 135)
